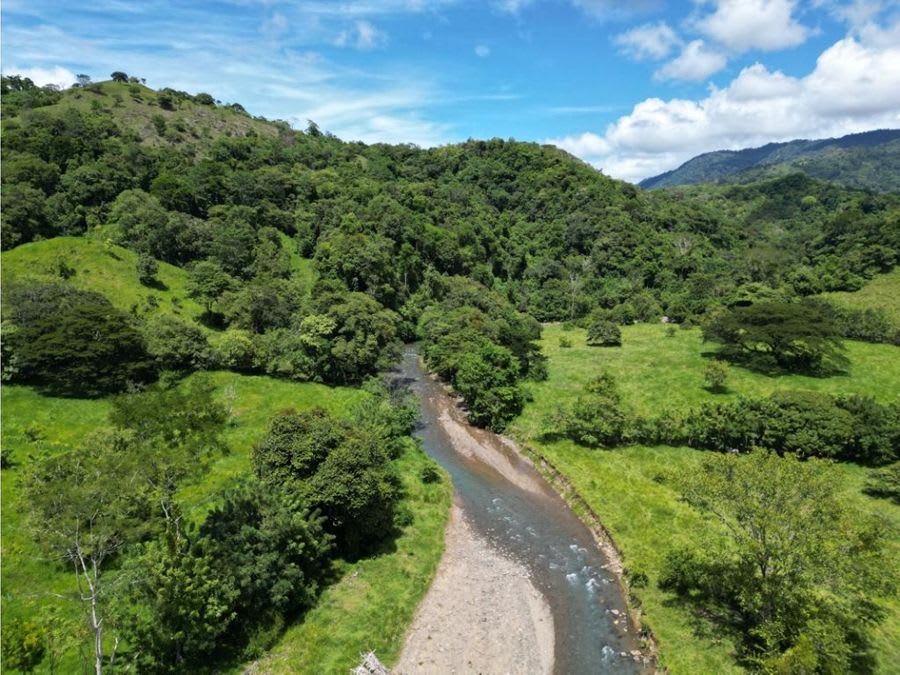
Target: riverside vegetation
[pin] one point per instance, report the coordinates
(196, 308)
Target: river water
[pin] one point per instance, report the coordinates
(507, 501)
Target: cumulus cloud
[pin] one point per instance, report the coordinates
(56, 75)
(741, 25)
(649, 41)
(482, 51)
(855, 86)
(697, 61)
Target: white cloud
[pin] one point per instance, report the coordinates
(855, 86)
(363, 35)
(741, 25)
(482, 51)
(697, 61)
(648, 41)
(56, 75)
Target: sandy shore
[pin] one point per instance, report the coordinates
(481, 615)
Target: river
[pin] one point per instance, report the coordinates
(510, 504)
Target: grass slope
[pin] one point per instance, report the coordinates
(622, 486)
(882, 292)
(34, 425)
(189, 124)
(105, 268)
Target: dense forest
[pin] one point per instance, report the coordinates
(869, 160)
(499, 230)
(314, 259)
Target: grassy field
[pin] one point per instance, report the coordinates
(34, 426)
(882, 292)
(105, 268)
(622, 486)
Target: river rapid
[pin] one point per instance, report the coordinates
(509, 504)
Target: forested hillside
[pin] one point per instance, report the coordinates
(312, 258)
(869, 160)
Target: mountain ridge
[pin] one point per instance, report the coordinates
(850, 160)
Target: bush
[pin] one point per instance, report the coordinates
(430, 474)
(564, 342)
(147, 269)
(806, 423)
(604, 333)
(24, 644)
(715, 374)
(597, 417)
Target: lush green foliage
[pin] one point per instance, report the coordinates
(809, 424)
(343, 469)
(793, 337)
(604, 333)
(73, 342)
(795, 575)
(866, 160)
(629, 490)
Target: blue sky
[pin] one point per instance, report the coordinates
(634, 91)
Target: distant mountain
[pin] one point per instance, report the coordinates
(868, 160)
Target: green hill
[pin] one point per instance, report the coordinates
(869, 160)
(108, 269)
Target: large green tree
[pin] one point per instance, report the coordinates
(75, 343)
(791, 569)
(793, 336)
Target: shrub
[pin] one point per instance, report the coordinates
(430, 474)
(147, 269)
(24, 644)
(604, 333)
(715, 374)
(564, 342)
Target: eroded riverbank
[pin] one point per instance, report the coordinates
(514, 516)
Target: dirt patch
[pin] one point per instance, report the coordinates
(482, 614)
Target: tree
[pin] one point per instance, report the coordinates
(486, 378)
(207, 281)
(178, 606)
(119, 76)
(84, 507)
(343, 469)
(174, 430)
(75, 342)
(83, 79)
(604, 333)
(715, 374)
(794, 337)
(177, 345)
(791, 566)
(597, 418)
(147, 269)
